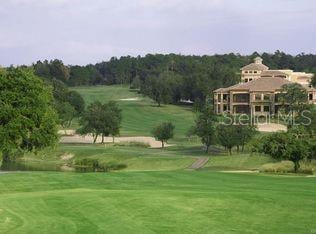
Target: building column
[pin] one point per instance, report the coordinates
(272, 104)
(231, 100)
(221, 103)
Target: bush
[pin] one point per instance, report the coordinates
(87, 165)
(279, 167)
(93, 165)
(287, 167)
(115, 166)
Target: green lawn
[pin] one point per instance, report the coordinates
(237, 162)
(135, 158)
(156, 202)
(139, 116)
(140, 158)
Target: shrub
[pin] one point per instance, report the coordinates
(279, 167)
(93, 165)
(287, 167)
(115, 166)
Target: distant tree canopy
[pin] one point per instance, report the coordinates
(28, 121)
(187, 77)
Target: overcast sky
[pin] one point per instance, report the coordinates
(89, 31)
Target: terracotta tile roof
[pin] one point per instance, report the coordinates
(272, 73)
(255, 66)
(266, 84)
(226, 89)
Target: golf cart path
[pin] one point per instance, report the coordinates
(199, 163)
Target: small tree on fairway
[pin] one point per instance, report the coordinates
(101, 119)
(163, 132)
(205, 127)
(244, 134)
(28, 120)
(227, 136)
(91, 120)
(115, 119)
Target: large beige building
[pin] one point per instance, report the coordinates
(257, 70)
(258, 92)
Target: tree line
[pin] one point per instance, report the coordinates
(169, 78)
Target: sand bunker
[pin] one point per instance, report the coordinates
(66, 156)
(130, 99)
(88, 139)
(271, 127)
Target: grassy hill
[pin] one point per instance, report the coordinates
(140, 114)
(156, 202)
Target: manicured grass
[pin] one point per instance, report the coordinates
(238, 162)
(135, 158)
(156, 202)
(142, 159)
(139, 116)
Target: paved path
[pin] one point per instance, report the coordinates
(199, 163)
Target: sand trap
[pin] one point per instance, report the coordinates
(66, 168)
(241, 171)
(271, 127)
(88, 139)
(67, 132)
(130, 99)
(67, 156)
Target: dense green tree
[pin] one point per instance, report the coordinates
(54, 69)
(59, 71)
(294, 100)
(227, 136)
(76, 100)
(163, 132)
(245, 133)
(114, 119)
(294, 97)
(69, 104)
(28, 121)
(66, 113)
(60, 90)
(42, 69)
(313, 83)
(285, 146)
(158, 90)
(91, 120)
(101, 119)
(205, 127)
